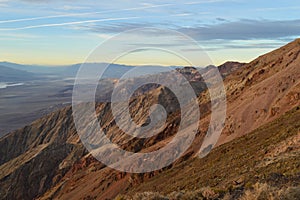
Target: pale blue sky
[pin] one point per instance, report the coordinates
(62, 32)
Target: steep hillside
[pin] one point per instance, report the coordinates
(111, 187)
(46, 160)
(28, 169)
(262, 91)
(34, 157)
(268, 155)
(44, 154)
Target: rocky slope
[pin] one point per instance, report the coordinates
(42, 155)
(46, 159)
(262, 90)
(269, 155)
(259, 92)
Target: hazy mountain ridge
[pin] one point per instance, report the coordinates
(46, 93)
(112, 71)
(14, 75)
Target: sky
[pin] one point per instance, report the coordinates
(63, 32)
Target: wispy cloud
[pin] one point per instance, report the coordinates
(94, 27)
(229, 45)
(278, 8)
(69, 23)
(86, 13)
(70, 7)
(3, 3)
(208, 1)
(83, 14)
(18, 37)
(145, 6)
(244, 29)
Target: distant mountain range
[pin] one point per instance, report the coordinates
(113, 71)
(8, 74)
(32, 68)
(40, 93)
(28, 72)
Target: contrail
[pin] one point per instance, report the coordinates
(102, 12)
(83, 14)
(69, 23)
(87, 21)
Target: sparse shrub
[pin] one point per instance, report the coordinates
(209, 193)
(149, 196)
(176, 195)
(292, 193)
(120, 197)
(260, 192)
(193, 195)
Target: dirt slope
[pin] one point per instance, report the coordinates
(262, 91)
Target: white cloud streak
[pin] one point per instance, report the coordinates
(68, 23)
(145, 7)
(278, 8)
(89, 21)
(83, 14)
